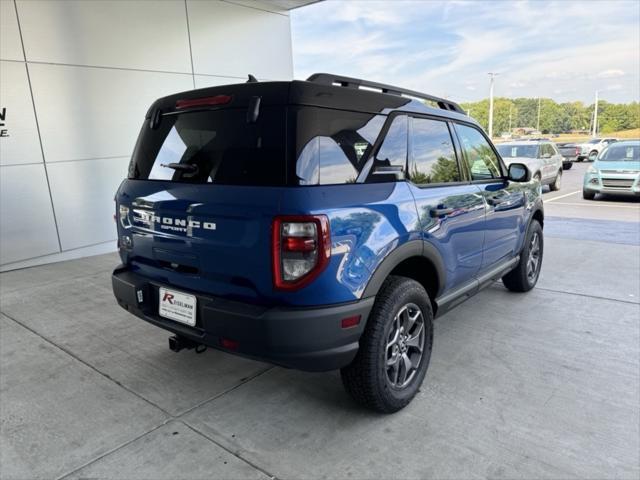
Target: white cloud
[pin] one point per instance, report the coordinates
(448, 47)
(610, 73)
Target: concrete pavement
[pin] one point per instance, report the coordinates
(538, 385)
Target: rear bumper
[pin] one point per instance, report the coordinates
(309, 339)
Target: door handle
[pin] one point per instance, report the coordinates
(441, 212)
(493, 201)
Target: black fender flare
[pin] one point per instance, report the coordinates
(537, 207)
(413, 248)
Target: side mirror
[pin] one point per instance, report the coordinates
(518, 172)
(593, 156)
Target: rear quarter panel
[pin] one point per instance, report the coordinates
(367, 222)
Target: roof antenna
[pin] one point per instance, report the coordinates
(252, 79)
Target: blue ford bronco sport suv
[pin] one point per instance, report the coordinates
(319, 225)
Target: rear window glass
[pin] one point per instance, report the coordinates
(213, 146)
(332, 146)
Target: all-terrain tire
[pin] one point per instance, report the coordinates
(567, 166)
(520, 279)
(366, 379)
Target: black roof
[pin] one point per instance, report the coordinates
(329, 91)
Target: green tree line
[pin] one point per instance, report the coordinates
(554, 117)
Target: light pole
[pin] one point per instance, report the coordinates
(492, 75)
(595, 116)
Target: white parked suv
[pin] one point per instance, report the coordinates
(593, 147)
(541, 157)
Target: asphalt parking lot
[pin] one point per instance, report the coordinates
(538, 385)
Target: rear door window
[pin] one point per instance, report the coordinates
(213, 146)
(432, 158)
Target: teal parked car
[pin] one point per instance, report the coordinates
(616, 171)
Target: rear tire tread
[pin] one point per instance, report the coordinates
(360, 378)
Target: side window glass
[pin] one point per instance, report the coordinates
(482, 161)
(336, 166)
(548, 149)
(391, 160)
(432, 158)
(332, 146)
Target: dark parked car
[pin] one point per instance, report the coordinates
(319, 225)
(570, 153)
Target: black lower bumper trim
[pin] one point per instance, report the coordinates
(309, 339)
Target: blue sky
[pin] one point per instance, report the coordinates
(563, 50)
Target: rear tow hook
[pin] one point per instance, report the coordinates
(177, 343)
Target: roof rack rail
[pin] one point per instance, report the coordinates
(356, 83)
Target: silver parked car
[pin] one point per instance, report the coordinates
(541, 157)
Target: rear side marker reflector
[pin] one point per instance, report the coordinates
(351, 321)
(229, 344)
(203, 102)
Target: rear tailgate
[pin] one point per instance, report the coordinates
(204, 185)
(206, 238)
(569, 151)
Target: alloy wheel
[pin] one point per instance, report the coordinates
(405, 346)
(533, 262)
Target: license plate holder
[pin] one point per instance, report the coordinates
(177, 306)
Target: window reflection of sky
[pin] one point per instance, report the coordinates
(335, 167)
(394, 147)
(323, 160)
(431, 140)
(171, 151)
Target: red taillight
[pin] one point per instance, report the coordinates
(301, 248)
(297, 244)
(203, 102)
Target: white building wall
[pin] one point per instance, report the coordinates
(76, 80)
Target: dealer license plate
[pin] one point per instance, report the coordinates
(177, 306)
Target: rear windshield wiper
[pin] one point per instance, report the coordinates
(185, 167)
